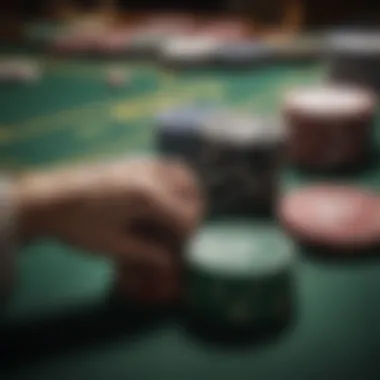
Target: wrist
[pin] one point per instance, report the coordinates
(8, 227)
(35, 201)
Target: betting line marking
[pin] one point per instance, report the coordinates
(61, 119)
(217, 89)
(6, 133)
(148, 106)
(140, 109)
(140, 135)
(30, 127)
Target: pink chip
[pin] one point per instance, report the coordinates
(335, 216)
(114, 42)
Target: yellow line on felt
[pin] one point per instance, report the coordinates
(55, 120)
(92, 129)
(167, 79)
(146, 105)
(127, 110)
(61, 119)
(204, 89)
(35, 124)
(6, 133)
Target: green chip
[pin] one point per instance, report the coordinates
(239, 275)
(239, 249)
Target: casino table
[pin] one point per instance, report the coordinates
(64, 320)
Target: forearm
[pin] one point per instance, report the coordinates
(33, 205)
(8, 222)
(25, 212)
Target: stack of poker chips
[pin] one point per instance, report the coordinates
(330, 127)
(233, 274)
(239, 278)
(149, 38)
(354, 58)
(303, 48)
(246, 54)
(333, 217)
(190, 51)
(239, 163)
(177, 131)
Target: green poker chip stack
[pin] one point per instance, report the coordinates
(239, 276)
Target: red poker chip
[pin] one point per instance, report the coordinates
(114, 42)
(329, 126)
(334, 216)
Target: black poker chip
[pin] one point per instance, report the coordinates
(177, 131)
(239, 163)
(353, 57)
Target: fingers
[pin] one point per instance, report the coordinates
(172, 175)
(166, 194)
(174, 214)
(136, 251)
(181, 179)
(178, 202)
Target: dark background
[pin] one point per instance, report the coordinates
(315, 12)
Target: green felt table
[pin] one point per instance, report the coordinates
(62, 321)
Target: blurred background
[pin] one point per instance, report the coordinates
(308, 13)
(76, 93)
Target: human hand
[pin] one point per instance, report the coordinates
(101, 208)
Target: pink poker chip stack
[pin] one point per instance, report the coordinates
(116, 41)
(224, 30)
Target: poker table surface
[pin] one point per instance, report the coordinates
(63, 320)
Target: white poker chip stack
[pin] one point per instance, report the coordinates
(354, 58)
(190, 50)
(145, 44)
(149, 40)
